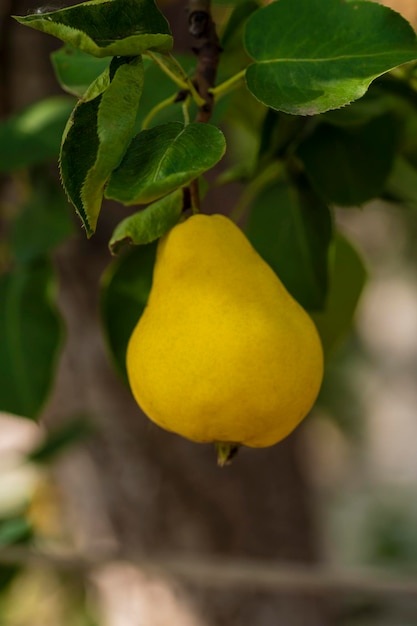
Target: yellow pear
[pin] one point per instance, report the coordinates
(222, 352)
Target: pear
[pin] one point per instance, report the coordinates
(222, 353)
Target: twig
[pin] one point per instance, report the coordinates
(252, 575)
(157, 108)
(207, 48)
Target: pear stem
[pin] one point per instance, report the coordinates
(226, 452)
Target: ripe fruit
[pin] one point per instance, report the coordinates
(222, 352)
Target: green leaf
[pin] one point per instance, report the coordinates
(239, 15)
(125, 289)
(107, 27)
(97, 136)
(350, 165)
(164, 158)
(278, 132)
(60, 439)
(290, 227)
(347, 277)
(373, 104)
(149, 224)
(43, 222)
(76, 70)
(34, 134)
(30, 338)
(14, 530)
(402, 183)
(315, 55)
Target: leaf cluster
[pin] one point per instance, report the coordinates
(317, 105)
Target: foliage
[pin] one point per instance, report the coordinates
(322, 94)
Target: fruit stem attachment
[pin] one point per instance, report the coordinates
(226, 452)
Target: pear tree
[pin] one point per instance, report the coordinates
(302, 106)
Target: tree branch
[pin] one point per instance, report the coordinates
(250, 574)
(207, 48)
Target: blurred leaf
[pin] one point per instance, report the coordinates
(30, 338)
(349, 166)
(125, 289)
(228, 2)
(347, 277)
(164, 158)
(373, 104)
(97, 136)
(76, 70)
(43, 222)
(14, 530)
(402, 183)
(149, 224)
(390, 536)
(339, 398)
(277, 132)
(322, 54)
(60, 439)
(290, 227)
(34, 135)
(238, 17)
(107, 27)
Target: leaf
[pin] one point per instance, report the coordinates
(34, 134)
(149, 224)
(14, 530)
(402, 183)
(290, 227)
(278, 132)
(107, 27)
(125, 289)
(76, 70)
(350, 165)
(315, 55)
(97, 136)
(43, 222)
(347, 277)
(30, 338)
(373, 104)
(239, 15)
(164, 158)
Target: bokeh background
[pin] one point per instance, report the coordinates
(141, 527)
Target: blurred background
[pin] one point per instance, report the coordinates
(141, 527)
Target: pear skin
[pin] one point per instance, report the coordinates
(222, 352)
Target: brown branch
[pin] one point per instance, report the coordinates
(221, 573)
(207, 48)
